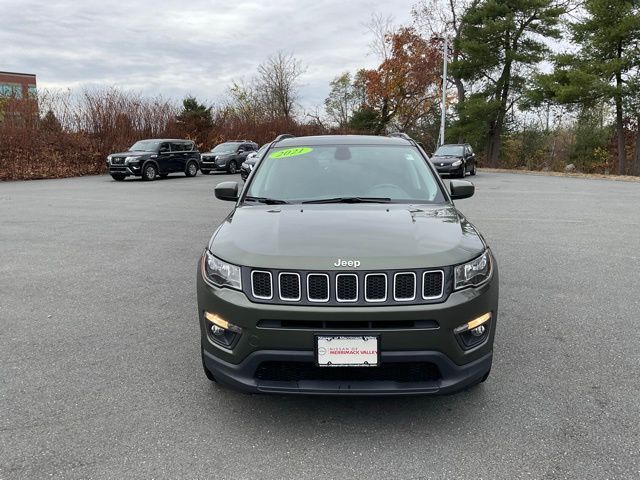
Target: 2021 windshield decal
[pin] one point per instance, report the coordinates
(291, 152)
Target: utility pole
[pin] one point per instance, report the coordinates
(445, 55)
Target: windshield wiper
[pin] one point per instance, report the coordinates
(268, 201)
(350, 200)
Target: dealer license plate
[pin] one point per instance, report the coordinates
(347, 351)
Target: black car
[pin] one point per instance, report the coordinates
(455, 159)
(252, 158)
(227, 156)
(150, 158)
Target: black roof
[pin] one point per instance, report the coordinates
(342, 140)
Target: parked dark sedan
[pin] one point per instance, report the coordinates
(455, 160)
(227, 156)
(150, 158)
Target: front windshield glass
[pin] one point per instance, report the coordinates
(445, 150)
(397, 173)
(145, 146)
(225, 148)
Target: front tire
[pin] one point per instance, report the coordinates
(192, 169)
(473, 171)
(233, 166)
(118, 177)
(149, 173)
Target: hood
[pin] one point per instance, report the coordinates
(446, 160)
(314, 237)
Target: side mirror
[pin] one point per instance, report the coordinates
(227, 191)
(461, 189)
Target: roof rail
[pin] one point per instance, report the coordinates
(283, 136)
(400, 135)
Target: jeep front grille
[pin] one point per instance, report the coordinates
(404, 287)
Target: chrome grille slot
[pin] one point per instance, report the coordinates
(318, 287)
(375, 287)
(346, 287)
(432, 284)
(261, 285)
(289, 284)
(404, 286)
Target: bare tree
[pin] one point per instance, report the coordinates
(278, 83)
(380, 27)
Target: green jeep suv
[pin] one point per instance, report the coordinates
(345, 268)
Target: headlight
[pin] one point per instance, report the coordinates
(473, 273)
(108, 158)
(221, 273)
(131, 159)
(457, 163)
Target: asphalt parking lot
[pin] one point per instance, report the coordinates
(101, 374)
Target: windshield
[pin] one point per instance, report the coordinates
(145, 146)
(445, 150)
(393, 173)
(224, 148)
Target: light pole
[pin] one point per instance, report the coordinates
(445, 55)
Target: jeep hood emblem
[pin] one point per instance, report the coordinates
(347, 263)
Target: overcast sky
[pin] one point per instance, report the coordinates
(184, 47)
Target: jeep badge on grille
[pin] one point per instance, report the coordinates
(347, 263)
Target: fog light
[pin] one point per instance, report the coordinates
(474, 324)
(216, 330)
(473, 333)
(222, 332)
(478, 331)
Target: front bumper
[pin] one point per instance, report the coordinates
(433, 345)
(125, 169)
(449, 170)
(205, 165)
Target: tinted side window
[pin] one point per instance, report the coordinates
(177, 147)
(164, 147)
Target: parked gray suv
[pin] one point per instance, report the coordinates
(227, 156)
